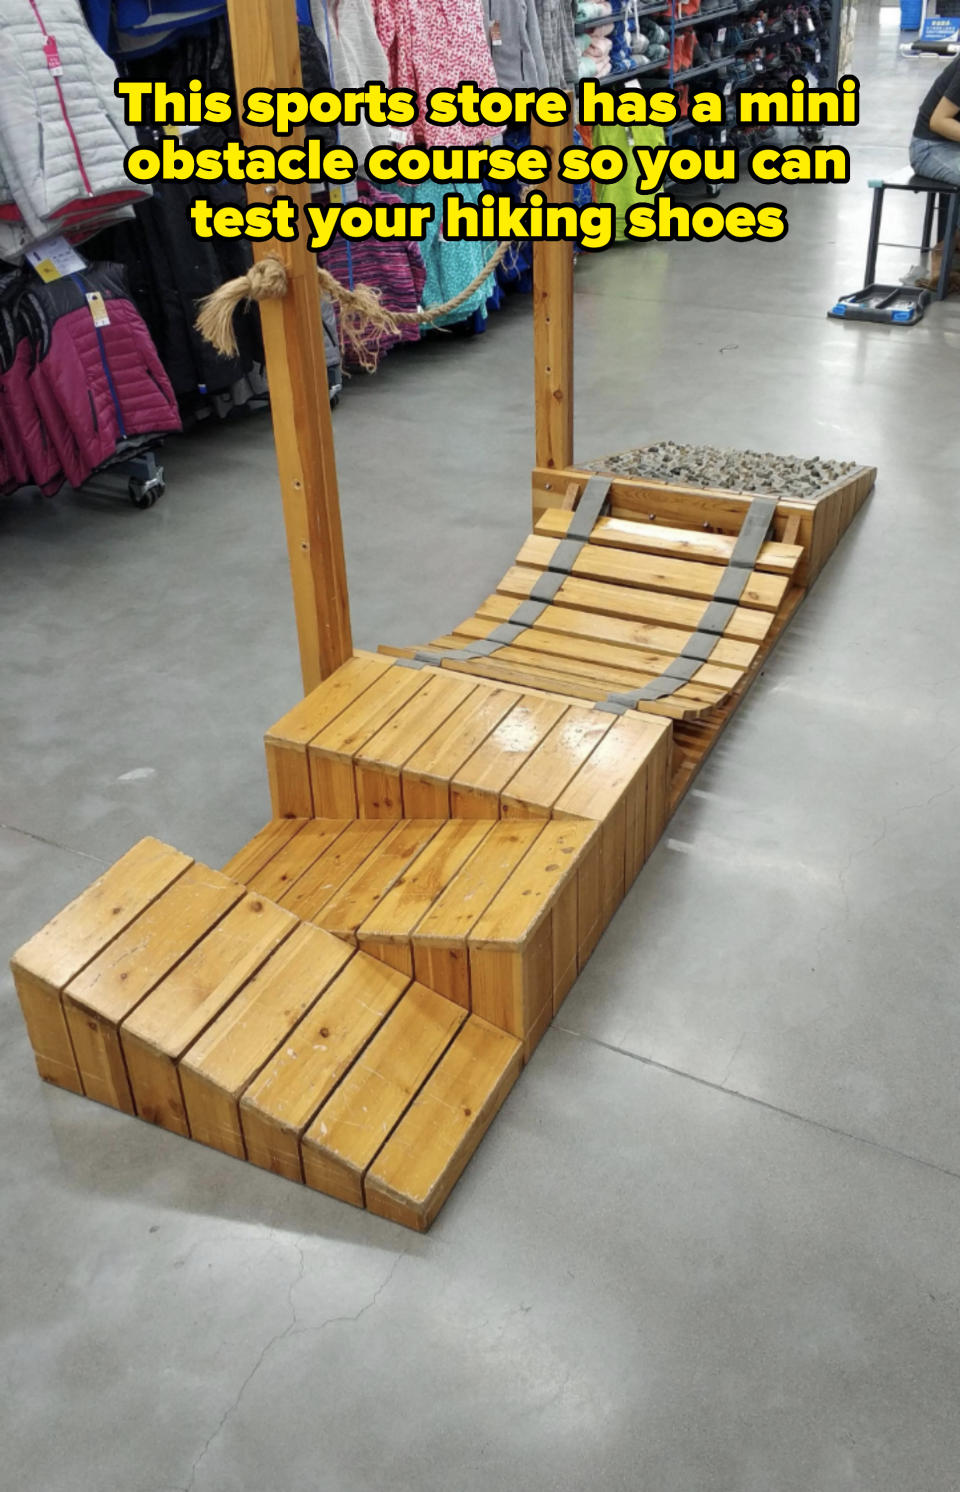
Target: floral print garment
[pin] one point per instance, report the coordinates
(437, 46)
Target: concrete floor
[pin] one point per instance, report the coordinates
(710, 1245)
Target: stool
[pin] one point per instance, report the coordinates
(940, 195)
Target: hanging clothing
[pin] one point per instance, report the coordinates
(63, 139)
(559, 42)
(513, 30)
(437, 46)
(356, 57)
(622, 194)
(450, 263)
(84, 386)
(394, 266)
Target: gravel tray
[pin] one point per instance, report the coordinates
(733, 471)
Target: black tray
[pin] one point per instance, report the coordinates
(899, 305)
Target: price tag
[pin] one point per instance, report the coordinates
(397, 137)
(810, 27)
(721, 34)
(97, 309)
(728, 88)
(342, 191)
(760, 28)
(796, 28)
(816, 55)
(52, 55)
(52, 258)
(496, 36)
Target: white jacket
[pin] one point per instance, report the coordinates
(62, 134)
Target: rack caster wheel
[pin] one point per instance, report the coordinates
(143, 494)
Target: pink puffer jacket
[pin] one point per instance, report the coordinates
(101, 391)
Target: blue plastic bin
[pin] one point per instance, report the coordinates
(911, 13)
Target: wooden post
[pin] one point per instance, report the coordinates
(266, 54)
(553, 319)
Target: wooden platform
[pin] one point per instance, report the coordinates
(169, 991)
(348, 1002)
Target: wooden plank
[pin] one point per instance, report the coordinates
(476, 788)
(331, 753)
(282, 872)
(427, 773)
(675, 543)
(563, 923)
(664, 502)
(440, 957)
(658, 796)
(353, 1124)
(553, 316)
(389, 928)
(114, 983)
(532, 669)
(47, 962)
(654, 573)
(348, 854)
(227, 1057)
(425, 1156)
(378, 766)
(266, 54)
(633, 668)
(616, 770)
(258, 851)
(533, 790)
(164, 1025)
(636, 605)
(643, 637)
(283, 1098)
(590, 922)
(286, 742)
(366, 888)
(513, 987)
(511, 946)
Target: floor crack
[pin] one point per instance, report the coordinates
(232, 1408)
(290, 1329)
(54, 844)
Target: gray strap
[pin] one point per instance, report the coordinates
(582, 523)
(528, 612)
(699, 645)
(732, 584)
(753, 532)
(716, 617)
(545, 587)
(683, 668)
(591, 504)
(564, 557)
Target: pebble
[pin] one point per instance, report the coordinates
(732, 471)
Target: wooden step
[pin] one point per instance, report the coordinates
(219, 1015)
(45, 965)
(412, 1176)
(416, 901)
(498, 752)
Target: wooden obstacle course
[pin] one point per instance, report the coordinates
(349, 1001)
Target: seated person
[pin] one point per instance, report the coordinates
(935, 147)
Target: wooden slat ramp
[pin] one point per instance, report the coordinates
(628, 605)
(170, 991)
(349, 1000)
